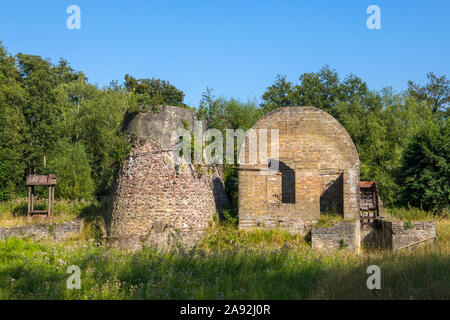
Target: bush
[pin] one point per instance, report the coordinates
(425, 172)
(410, 214)
(73, 171)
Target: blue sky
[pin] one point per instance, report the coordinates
(235, 47)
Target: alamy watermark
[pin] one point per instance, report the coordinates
(74, 280)
(207, 147)
(374, 281)
(374, 20)
(74, 20)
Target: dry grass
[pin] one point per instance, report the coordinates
(14, 212)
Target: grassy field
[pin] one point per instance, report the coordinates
(14, 212)
(227, 264)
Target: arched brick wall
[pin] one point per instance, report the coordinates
(318, 172)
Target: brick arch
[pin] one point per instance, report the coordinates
(326, 169)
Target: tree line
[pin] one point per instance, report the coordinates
(53, 120)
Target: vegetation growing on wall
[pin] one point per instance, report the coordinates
(155, 93)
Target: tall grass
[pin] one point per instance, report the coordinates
(423, 273)
(414, 214)
(227, 264)
(14, 212)
(328, 219)
(38, 271)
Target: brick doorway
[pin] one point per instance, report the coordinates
(332, 193)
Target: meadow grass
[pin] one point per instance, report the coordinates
(421, 273)
(414, 214)
(228, 264)
(328, 219)
(14, 212)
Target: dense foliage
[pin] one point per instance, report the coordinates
(71, 165)
(53, 120)
(425, 170)
(151, 92)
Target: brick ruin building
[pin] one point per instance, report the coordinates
(318, 173)
(155, 201)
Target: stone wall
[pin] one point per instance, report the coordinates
(318, 172)
(370, 237)
(389, 234)
(53, 231)
(396, 235)
(159, 125)
(157, 202)
(342, 235)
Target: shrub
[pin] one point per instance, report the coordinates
(73, 171)
(425, 172)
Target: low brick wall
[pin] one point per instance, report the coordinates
(342, 235)
(54, 231)
(397, 235)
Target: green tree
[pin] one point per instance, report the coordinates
(12, 127)
(381, 129)
(94, 118)
(70, 163)
(436, 93)
(278, 95)
(323, 90)
(425, 171)
(151, 92)
(40, 79)
(221, 113)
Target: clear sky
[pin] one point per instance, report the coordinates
(235, 47)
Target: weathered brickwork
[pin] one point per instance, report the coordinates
(342, 235)
(53, 231)
(157, 202)
(318, 172)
